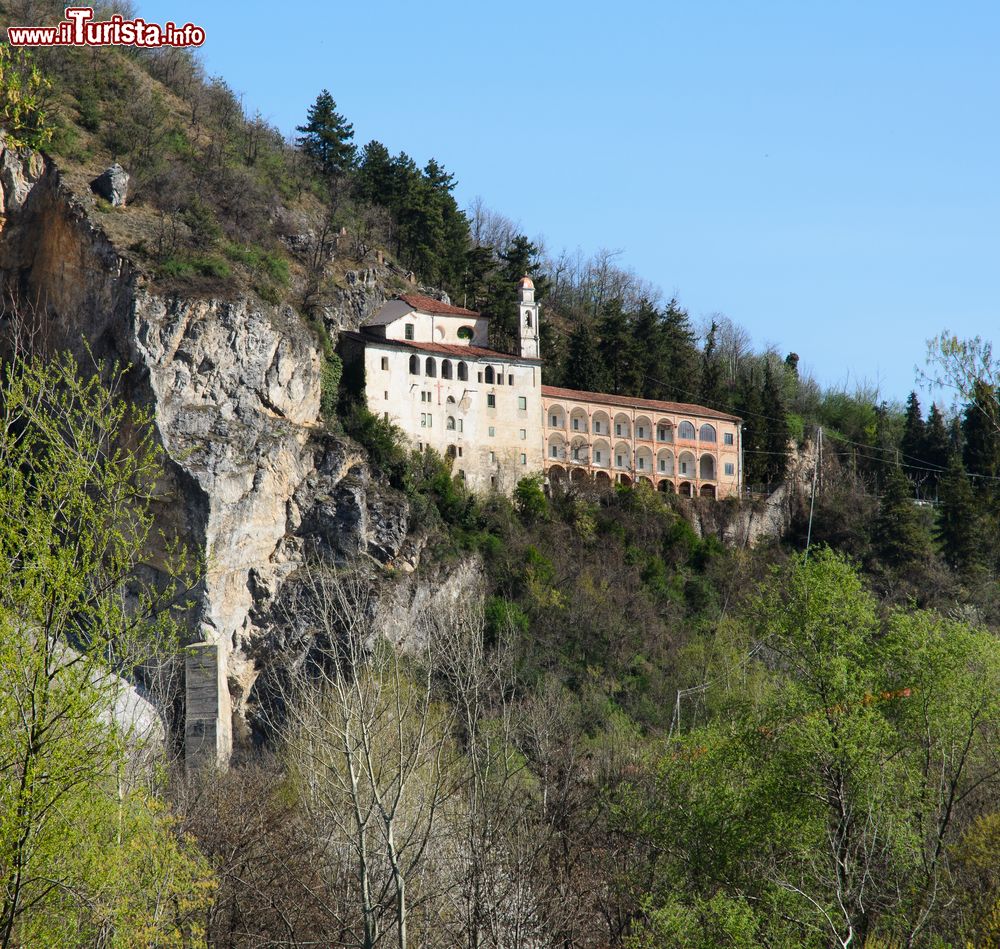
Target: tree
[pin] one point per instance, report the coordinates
(326, 137)
(619, 350)
(750, 407)
(981, 436)
(367, 747)
(960, 526)
(710, 389)
(820, 807)
(85, 851)
(679, 369)
(914, 438)
(585, 368)
(24, 97)
(901, 540)
(775, 422)
(937, 448)
(521, 257)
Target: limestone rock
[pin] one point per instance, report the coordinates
(112, 185)
(344, 512)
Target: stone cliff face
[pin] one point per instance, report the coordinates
(252, 484)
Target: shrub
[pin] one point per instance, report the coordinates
(24, 93)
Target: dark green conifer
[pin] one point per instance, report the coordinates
(584, 366)
(326, 136)
(900, 538)
(960, 526)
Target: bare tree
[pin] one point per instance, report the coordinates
(368, 747)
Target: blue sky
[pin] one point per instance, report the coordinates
(826, 174)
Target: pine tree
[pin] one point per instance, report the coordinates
(326, 136)
(584, 366)
(679, 371)
(936, 450)
(981, 434)
(750, 407)
(912, 443)
(519, 259)
(960, 527)
(618, 350)
(775, 426)
(710, 391)
(650, 351)
(901, 539)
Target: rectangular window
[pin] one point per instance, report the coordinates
(553, 422)
(386, 416)
(597, 456)
(385, 395)
(459, 451)
(510, 380)
(423, 420)
(663, 464)
(524, 434)
(597, 428)
(460, 428)
(522, 402)
(618, 428)
(409, 331)
(727, 439)
(684, 467)
(553, 451)
(730, 468)
(480, 376)
(642, 462)
(493, 457)
(491, 401)
(499, 378)
(461, 475)
(619, 462)
(493, 431)
(524, 459)
(642, 432)
(385, 362)
(576, 425)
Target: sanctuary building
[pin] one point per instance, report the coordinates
(429, 370)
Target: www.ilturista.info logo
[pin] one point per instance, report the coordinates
(78, 29)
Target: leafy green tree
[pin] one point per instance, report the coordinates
(24, 97)
(818, 807)
(86, 856)
(327, 136)
(901, 539)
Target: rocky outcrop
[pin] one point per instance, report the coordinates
(234, 388)
(112, 185)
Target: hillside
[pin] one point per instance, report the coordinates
(402, 714)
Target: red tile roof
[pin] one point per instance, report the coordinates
(679, 408)
(429, 305)
(456, 350)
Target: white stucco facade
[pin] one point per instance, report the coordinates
(427, 369)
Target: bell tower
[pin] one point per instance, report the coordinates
(527, 319)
